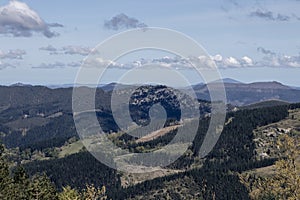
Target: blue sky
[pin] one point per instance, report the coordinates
(249, 40)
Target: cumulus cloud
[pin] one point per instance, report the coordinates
(273, 59)
(69, 50)
(19, 20)
(283, 61)
(100, 62)
(58, 65)
(122, 21)
(50, 65)
(12, 54)
(206, 62)
(246, 61)
(217, 58)
(232, 62)
(268, 15)
(171, 62)
(76, 50)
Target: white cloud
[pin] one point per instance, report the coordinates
(172, 62)
(50, 65)
(122, 21)
(273, 59)
(58, 65)
(12, 54)
(77, 50)
(247, 61)
(206, 62)
(231, 62)
(69, 50)
(18, 19)
(217, 58)
(100, 62)
(289, 61)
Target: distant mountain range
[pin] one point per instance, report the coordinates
(240, 94)
(28, 110)
(237, 93)
(227, 80)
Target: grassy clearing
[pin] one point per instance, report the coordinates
(70, 149)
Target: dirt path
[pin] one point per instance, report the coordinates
(157, 134)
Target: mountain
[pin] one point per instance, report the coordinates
(26, 111)
(37, 127)
(268, 103)
(20, 84)
(71, 85)
(238, 94)
(242, 94)
(227, 80)
(111, 86)
(106, 87)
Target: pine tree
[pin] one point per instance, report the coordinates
(285, 184)
(5, 180)
(69, 194)
(19, 187)
(93, 193)
(41, 188)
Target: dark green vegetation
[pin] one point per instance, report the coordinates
(233, 153)
(17, 184)
(269, 103)
(77, 170)
(35, 143)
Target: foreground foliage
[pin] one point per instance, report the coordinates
(19, 185)
(285, 183)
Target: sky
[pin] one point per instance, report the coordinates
(45, 42)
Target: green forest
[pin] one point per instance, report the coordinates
(217, 176)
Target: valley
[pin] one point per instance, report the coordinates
(41, 137)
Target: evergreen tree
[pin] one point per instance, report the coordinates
(5, 180)
(41, 188)
(285, 184)
(19, 186)
(69, 194)
(93, 193)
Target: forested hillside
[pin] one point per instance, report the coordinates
(40, 138)
(216, 175)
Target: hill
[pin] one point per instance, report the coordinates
(267, 103)
(240, 94)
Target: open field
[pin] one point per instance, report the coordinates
(70, 149)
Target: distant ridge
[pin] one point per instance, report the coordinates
(268, 103)
(237, 93)
(227, 80)
(240, 94)
(18, 84)
(270, 85)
